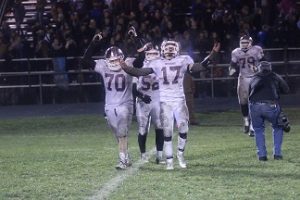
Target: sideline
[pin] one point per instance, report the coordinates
(109, 187)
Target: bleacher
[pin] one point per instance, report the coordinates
(34, 77)
(30, 7)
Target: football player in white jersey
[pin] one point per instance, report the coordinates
(170, 69)
(149, 112)
(118, 94)
(245, 60)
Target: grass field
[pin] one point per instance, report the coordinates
(74, 158)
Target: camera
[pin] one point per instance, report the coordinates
(283, 122)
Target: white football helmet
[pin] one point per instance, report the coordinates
(169, 49)
(152, 54)
(113, 56)
(245, 42)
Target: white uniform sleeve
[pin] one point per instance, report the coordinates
(99, 65)
(188, 60)
(156, 66)
(234, 56)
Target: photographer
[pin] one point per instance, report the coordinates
(264, 90)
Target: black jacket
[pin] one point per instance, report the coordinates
(267, 86)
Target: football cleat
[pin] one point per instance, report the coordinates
(170, 165)
(181, 160)
(246, 129)
(144, 158)
(121, 165)
(160, 160)
(128, 161)
(251, 133)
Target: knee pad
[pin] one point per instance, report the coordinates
(183, 135)
(168, 139)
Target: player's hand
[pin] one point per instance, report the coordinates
(123, 64)
(132, 31)
(232, 71)
(146, 47)
(214, 51)
(146, 98)
(98, 37)
(216, 47)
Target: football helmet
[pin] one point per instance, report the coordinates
(245, 42)
(152, 54)
(113, 56)
(169, 49)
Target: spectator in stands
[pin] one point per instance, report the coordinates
(156, 20)
(70, 46)
(19, 13)
(40, 7)
(59, 62)
(3, 47)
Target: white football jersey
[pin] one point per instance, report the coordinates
(170, 74)
(247, 61)
(149, 84)
(118, 84)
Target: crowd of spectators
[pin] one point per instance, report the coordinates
(196, 24)
(68, 27)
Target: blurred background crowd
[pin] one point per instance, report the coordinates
(67, 27)
(57, 32)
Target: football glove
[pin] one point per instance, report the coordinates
(98, 37)
(146, 47)
(146, 98)
(132, 31)
(232, 71)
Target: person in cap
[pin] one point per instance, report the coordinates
(264, 93)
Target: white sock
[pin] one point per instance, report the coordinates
(168, 149)
(159, 154)
(122, 157)
(246, 121)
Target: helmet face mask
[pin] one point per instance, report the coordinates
(113, 57)
(169, 49)
(152, 54)
(245, 42)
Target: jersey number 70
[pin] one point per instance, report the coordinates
(115, 80)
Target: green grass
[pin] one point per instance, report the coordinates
(73, 157)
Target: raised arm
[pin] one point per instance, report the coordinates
(140, 44)
(87, 59)
(197, 67)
